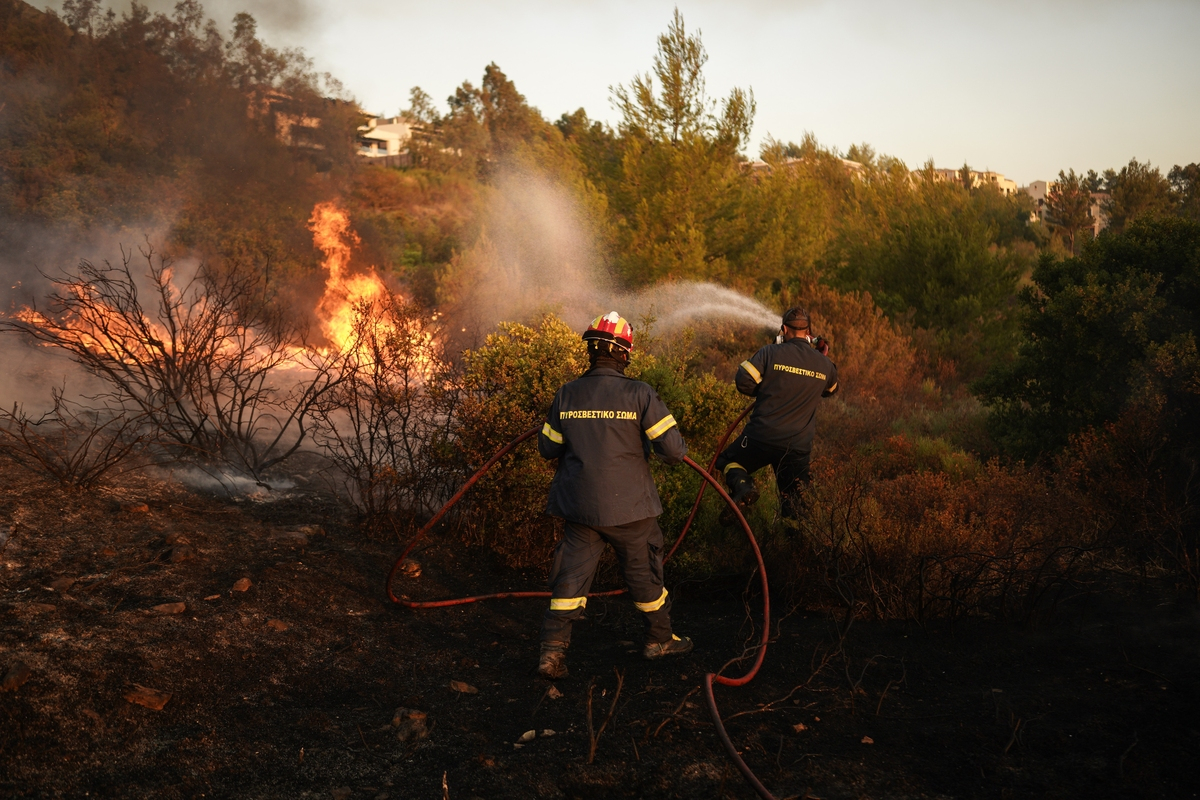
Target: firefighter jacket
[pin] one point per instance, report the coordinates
(602, 428)
(789, 380)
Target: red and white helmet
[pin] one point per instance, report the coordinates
(611, 327)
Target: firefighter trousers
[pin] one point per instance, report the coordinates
(638, 546)
(792, 474)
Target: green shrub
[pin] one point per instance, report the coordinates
(509, 385)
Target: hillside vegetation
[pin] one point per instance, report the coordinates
(1020, 399)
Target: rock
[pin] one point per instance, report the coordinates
(799, 727)
(146, 697)
(61, 584)
(527, 736)
(341, 793)
(213, 597)
(464, 688)
(310, 531)
(40, 608)
(410, 568)
(135, 508)
(170, 608)
(241, 584)
(553, 692)
(108, 552)
(293, 538)
(277, 624)
(868, 740)
(410, 724)
(180, 553)
(176, 538)
(16, 676)
(548, 732)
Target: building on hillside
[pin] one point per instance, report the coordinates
(294, 123)
(755, 167)
(1005, 185)
(1040, 192)
(385, 141)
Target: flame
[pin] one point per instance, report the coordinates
(345, 294)
(348, 297)
(351, 312)
(122, 338)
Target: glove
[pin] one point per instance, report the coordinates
(821, 345)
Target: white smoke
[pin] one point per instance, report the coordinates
(539, 253)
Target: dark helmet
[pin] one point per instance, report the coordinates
(797, 319)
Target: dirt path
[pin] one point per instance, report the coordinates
(288, 689)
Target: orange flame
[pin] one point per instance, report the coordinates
(347, 296)
(345, 304)
(344, 293)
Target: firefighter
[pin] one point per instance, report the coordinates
(788, 380)
(602, 428)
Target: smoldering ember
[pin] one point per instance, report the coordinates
(425, 454)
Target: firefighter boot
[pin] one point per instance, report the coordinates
(674, 646)
(553, 661)
(741, 491)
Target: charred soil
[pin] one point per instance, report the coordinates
(285, 666)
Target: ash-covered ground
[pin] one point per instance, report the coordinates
(289, 687)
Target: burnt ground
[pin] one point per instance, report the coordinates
(288, 689)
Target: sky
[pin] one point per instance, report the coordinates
(1021, 87)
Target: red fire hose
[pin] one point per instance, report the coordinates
(710, 677)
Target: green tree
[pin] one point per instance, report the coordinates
(927, 255)
(1185, 182)
(421, 109)
(964, 177)
(1068, 206)
(1111, 329)
(1137, 190)
(672, 175)
(680, 109)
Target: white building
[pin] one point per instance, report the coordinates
(1005, 185)
(383, 136)
(1040, 192)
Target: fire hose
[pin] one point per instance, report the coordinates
(709, 678)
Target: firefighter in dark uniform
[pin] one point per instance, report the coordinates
(788, 380)
(602, 428)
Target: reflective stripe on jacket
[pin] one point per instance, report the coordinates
(602, 428)
(789, 380)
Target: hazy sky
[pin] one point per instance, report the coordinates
(1025, 88)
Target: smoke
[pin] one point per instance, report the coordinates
(539, 252)
(30, 255)
(536, 254)
(227, 483)
(294, 17)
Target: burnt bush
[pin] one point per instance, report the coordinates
(914, 530)
(73, 445)
(385, 424)
(207, 366)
